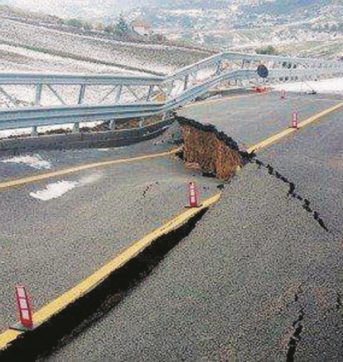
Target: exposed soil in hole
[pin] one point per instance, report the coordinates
(217, 155)
(211, 151)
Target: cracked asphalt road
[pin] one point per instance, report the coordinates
(60, 159)
(50, 246)
(258, 279)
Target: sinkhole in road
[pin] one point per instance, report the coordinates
(70, 322)
(209, 150)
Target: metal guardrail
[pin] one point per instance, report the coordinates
(124, 97)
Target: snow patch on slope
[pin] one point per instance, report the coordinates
(334, 85)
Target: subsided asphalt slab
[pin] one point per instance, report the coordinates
(258, 279)
(50, 246)
(59, 159)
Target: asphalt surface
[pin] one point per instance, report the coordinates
(59, 159)
(259, 278)
(253, 118)
(50, 246)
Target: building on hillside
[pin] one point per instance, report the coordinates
(141, 27)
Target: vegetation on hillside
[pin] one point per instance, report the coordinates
(267, 50)
(120, 28)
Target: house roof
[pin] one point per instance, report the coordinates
(140, 24)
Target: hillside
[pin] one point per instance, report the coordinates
(294, 27)
(35, 42)
(245, 25)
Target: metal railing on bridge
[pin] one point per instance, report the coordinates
(31, 100)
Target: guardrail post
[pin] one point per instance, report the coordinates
(219, 68)
(151, 88)
(76, 127)
(39, 88)
(166, 115)
(186, 82)
(118, 95)
(34, 131)
(112, 125)
(82, 93)
(170, 88)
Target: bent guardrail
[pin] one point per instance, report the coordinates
(35, 100)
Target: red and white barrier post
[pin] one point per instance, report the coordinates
(24, 306)
(295, 119)
(193, 195)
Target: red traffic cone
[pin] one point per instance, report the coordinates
(295, 120)
(192, 195)
(24, 307)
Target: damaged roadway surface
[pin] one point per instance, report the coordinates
(51, 245)
(258, 279)
(249, 119)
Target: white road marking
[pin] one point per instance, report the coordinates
(35, 161)
(59, 188)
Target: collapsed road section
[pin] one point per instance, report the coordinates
(209, 150)
(85, 311)
(231, 289)
(257, 279)
(68, 319)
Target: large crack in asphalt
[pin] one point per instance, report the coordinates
(296, 336)
(306, 204)
(339, 303)
(70, 322)
(206, 142)
(298, 326)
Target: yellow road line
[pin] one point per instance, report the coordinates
(8, 337)
(288, 131)
(221, 99)
(85, 286)
(66, 171)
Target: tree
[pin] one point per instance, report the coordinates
(99, 27)
(122, 27)
(109, 29)
(87, 26)
(74, 22)
(268, 50)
